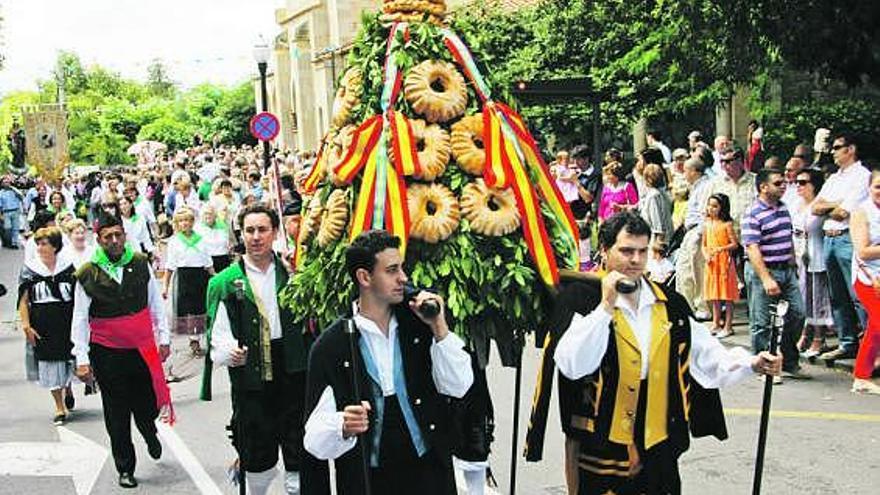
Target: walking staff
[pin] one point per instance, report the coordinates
(778, 311)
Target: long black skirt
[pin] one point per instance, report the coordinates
(191, 288)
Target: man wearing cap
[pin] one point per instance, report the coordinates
(285, 243)
(117, 317)
(256, 338)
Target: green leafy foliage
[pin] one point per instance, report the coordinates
(107, 113)
(490, 284)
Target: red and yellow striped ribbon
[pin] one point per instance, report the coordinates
(397, 211)
(363, 210)
(363, 141)
(406, 158)
(546, 185)
(317, 173)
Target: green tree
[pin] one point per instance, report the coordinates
(158, 80)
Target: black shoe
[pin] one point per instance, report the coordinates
(836, 354)
(154, 446)
(127, 480)
(69, 401)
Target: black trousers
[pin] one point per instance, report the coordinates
(221, 262)
(126, 391)
(400, 469)
(272, 418)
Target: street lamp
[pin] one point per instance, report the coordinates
(261, 55)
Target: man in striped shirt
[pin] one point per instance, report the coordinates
(770, 272)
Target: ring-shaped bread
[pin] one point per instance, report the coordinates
(467, 144)
(491, 212)
(433, 211)
(334, 217)
(347, 97)
(436, 90)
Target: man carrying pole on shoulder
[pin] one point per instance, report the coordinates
(652, 371)
(255, 336)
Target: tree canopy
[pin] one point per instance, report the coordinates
(107, 113)
(663, 58)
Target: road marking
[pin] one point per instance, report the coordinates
(72, 456)
(863, 418)
(188, 460)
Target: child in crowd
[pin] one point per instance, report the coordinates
(659, 267)
(719, 241)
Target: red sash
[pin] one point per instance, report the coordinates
(136, 332)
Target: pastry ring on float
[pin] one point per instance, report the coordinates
(436, 90)
(491, 212)
(338, 148)
(432, 142)
(333, 218)
(347, 96)
(467, 144)
(414, 7)
(433, 211)
(312, 220)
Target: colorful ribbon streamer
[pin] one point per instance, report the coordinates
(382, 200)
(511, 154)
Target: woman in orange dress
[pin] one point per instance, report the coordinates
(719, 240)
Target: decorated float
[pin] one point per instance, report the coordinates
(419, 145)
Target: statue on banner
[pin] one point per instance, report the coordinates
(45, 128)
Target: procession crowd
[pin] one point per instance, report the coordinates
(181, 245)
(729, 223)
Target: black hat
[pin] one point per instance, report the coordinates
(293, 207)
(105, 220)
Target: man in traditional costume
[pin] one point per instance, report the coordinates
(117, 314)
(652, 374)
(404, 360)
(255, 336)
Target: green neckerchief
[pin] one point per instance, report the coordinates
(192, 241)
(218, 225)
(138, 200)
(113, 268)
(134, 218)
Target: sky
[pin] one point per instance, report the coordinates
(198, 40)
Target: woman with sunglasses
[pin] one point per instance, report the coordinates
(865, 227)
(810, 258)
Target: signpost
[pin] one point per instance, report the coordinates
(265, 127)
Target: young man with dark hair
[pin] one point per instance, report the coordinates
(407, 360)
(842, 193)
(256, 338)
(117, 306)
(652, 373)
(771, 273)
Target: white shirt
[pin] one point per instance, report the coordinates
(215, 242)
(696, 205)
(179, 255)
(864, 271)
(583, 346)
(660, 269)
(78, 258)
(137, 234)
(849, 187)
(144, 208)
(450, 368)
(262, 284)
(80, 332)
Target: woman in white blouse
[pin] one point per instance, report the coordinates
(215, 237)
(187, 271)
(137, 232)
(78, 250)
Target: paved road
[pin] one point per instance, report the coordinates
(824, 440)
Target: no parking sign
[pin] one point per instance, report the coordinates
(264, 126)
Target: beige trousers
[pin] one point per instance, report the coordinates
(689, 270)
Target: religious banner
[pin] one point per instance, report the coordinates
(45, 128)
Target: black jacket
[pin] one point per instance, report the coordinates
(330, 364)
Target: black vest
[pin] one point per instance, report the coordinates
(587, 405)
(110, 299)
(330, 364)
